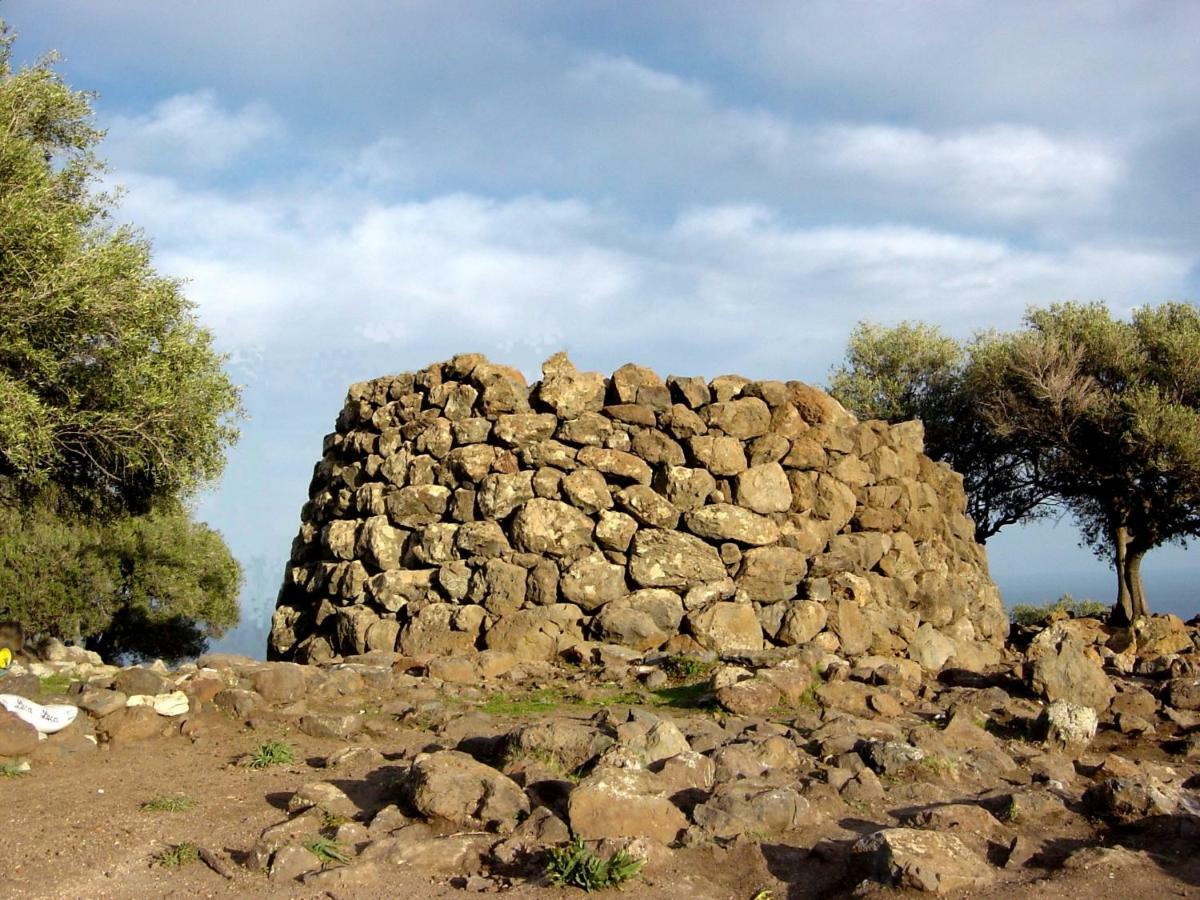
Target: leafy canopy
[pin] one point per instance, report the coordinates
(913, 371)
(155, 585)
(114, 406)
(108, 385)
(1115, 406)
(1075, 410)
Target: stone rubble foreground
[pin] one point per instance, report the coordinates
(477, 764)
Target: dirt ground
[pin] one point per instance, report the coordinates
(76, 829)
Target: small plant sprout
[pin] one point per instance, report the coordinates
(272, 753)
(178, 855)
(576, 866)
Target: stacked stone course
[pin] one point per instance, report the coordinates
(458, 509)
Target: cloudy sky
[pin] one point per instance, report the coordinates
(361, 188)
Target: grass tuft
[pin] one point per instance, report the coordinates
(682, 667)
(14, 769)
(1028, 614)
(331, 822)
(56, 683)
(178, 855)
(327, 850)
(169, 803)
(545, 700)
(576, 866)
(272, 753)
(685, 696)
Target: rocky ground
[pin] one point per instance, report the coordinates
(1070, 769)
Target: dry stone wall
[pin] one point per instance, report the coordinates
(458, 509)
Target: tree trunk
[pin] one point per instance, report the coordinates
(1131, 594)
(1137, 591)
(1123, 611)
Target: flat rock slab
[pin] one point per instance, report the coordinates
(921, 860)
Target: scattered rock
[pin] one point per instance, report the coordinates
(453, 787)
(921, 860)
(621, 803)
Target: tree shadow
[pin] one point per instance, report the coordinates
(810, 874)
(377, 789)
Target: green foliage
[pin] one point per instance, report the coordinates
(1114, 407)
(898, 373)
(1077, 409)
(685, 696)
(169, 803)
(683, 667)
(179, 586)
(150, 585)
(327, 850)
(1029, 614)
(114, 406)
(13, 769)
(179, 855)
(56, 683)
(272, 753)
(108, 385)
(331, 822)
(540, 701)
(913, 371)
(54, 575)
(576, 866)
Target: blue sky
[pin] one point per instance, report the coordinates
(362, 188)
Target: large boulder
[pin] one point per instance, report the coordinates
(727, 628)
(921, 860)
(455, 788)
(661, 558)
(551, 527)
(1064, 671)
(623, 803)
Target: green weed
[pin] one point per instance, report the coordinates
(939, 765)
(683, 667)
(272, 753)
(545, 700)
(1029, 614)
(168, 803)
(327, 850)
(13, 769)
(179, 855)
(622, 698)
(331, 822)
(576, 866)
(685, 696)
(56, 683)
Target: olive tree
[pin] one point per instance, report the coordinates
(1114, 408)
(109, 387)
(914, 371)
(114, 405)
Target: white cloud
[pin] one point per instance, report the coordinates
(189, 131)
(999, 171)
(614, 127)
(291, 274)
(639, 125)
